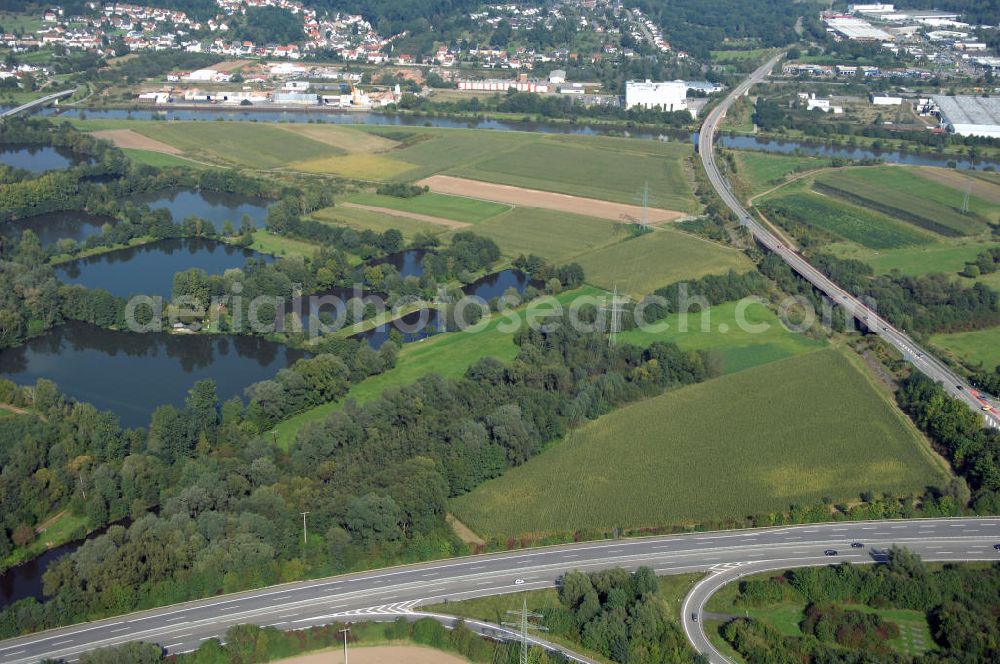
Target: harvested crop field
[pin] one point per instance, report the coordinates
(133, 140)
(546, 200)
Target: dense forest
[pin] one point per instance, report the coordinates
(375, 476)
(698, 26)
(269, 25)
(619, 615)
(960, 602)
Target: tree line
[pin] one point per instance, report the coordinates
(555, 107)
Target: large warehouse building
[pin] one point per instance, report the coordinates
(967, 115)
(668, 95)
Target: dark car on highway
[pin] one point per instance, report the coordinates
(857, 545)
(830, 552)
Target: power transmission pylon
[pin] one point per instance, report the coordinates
(523, 625)
(615, 322)
(645, 205)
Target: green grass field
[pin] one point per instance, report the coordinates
(912, 194)
(255, 145)
(948, 257)
(608, 171)
(559, 237)
(457, 208)
(744, 336)
(763, 170)
(614, 169)
(448, 355)
(276, 245)
(979, 348)
(746, 443)
(760, 54)
(64, 528)
(638, 266)
(786, 616)
(376, 221)
(845, 220)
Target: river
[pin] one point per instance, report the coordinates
(576, 129)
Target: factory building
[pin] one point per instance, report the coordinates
(667, 95)
(967, 115)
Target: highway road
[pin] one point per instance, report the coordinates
(41, 101)
(398, 591)
(911, 351)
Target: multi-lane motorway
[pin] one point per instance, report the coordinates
(866, 315)
(402, 590)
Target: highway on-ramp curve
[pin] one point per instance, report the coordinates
(867, 316)
(402, 590)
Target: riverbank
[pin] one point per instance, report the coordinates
(875, 144)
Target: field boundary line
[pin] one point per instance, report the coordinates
(440, 221)
(545, 200)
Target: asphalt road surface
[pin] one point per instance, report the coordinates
(868, 317)
(397, 591)
(37, 102)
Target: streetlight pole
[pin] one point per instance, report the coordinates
(344, 632)
(305, 532)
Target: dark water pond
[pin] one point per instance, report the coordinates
(54, 226)
(131, 374)
(427, 322)
(212, 206)
(149, 269)
(39, 158)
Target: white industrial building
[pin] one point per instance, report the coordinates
(968, 115)
(857, 29)
(667, 95)
(886, 100)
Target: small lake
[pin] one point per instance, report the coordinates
(39, 158)
(131, 374)
(214, 207)
(424, 323)
(149, 269)
(408, 263)
(54, 226)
